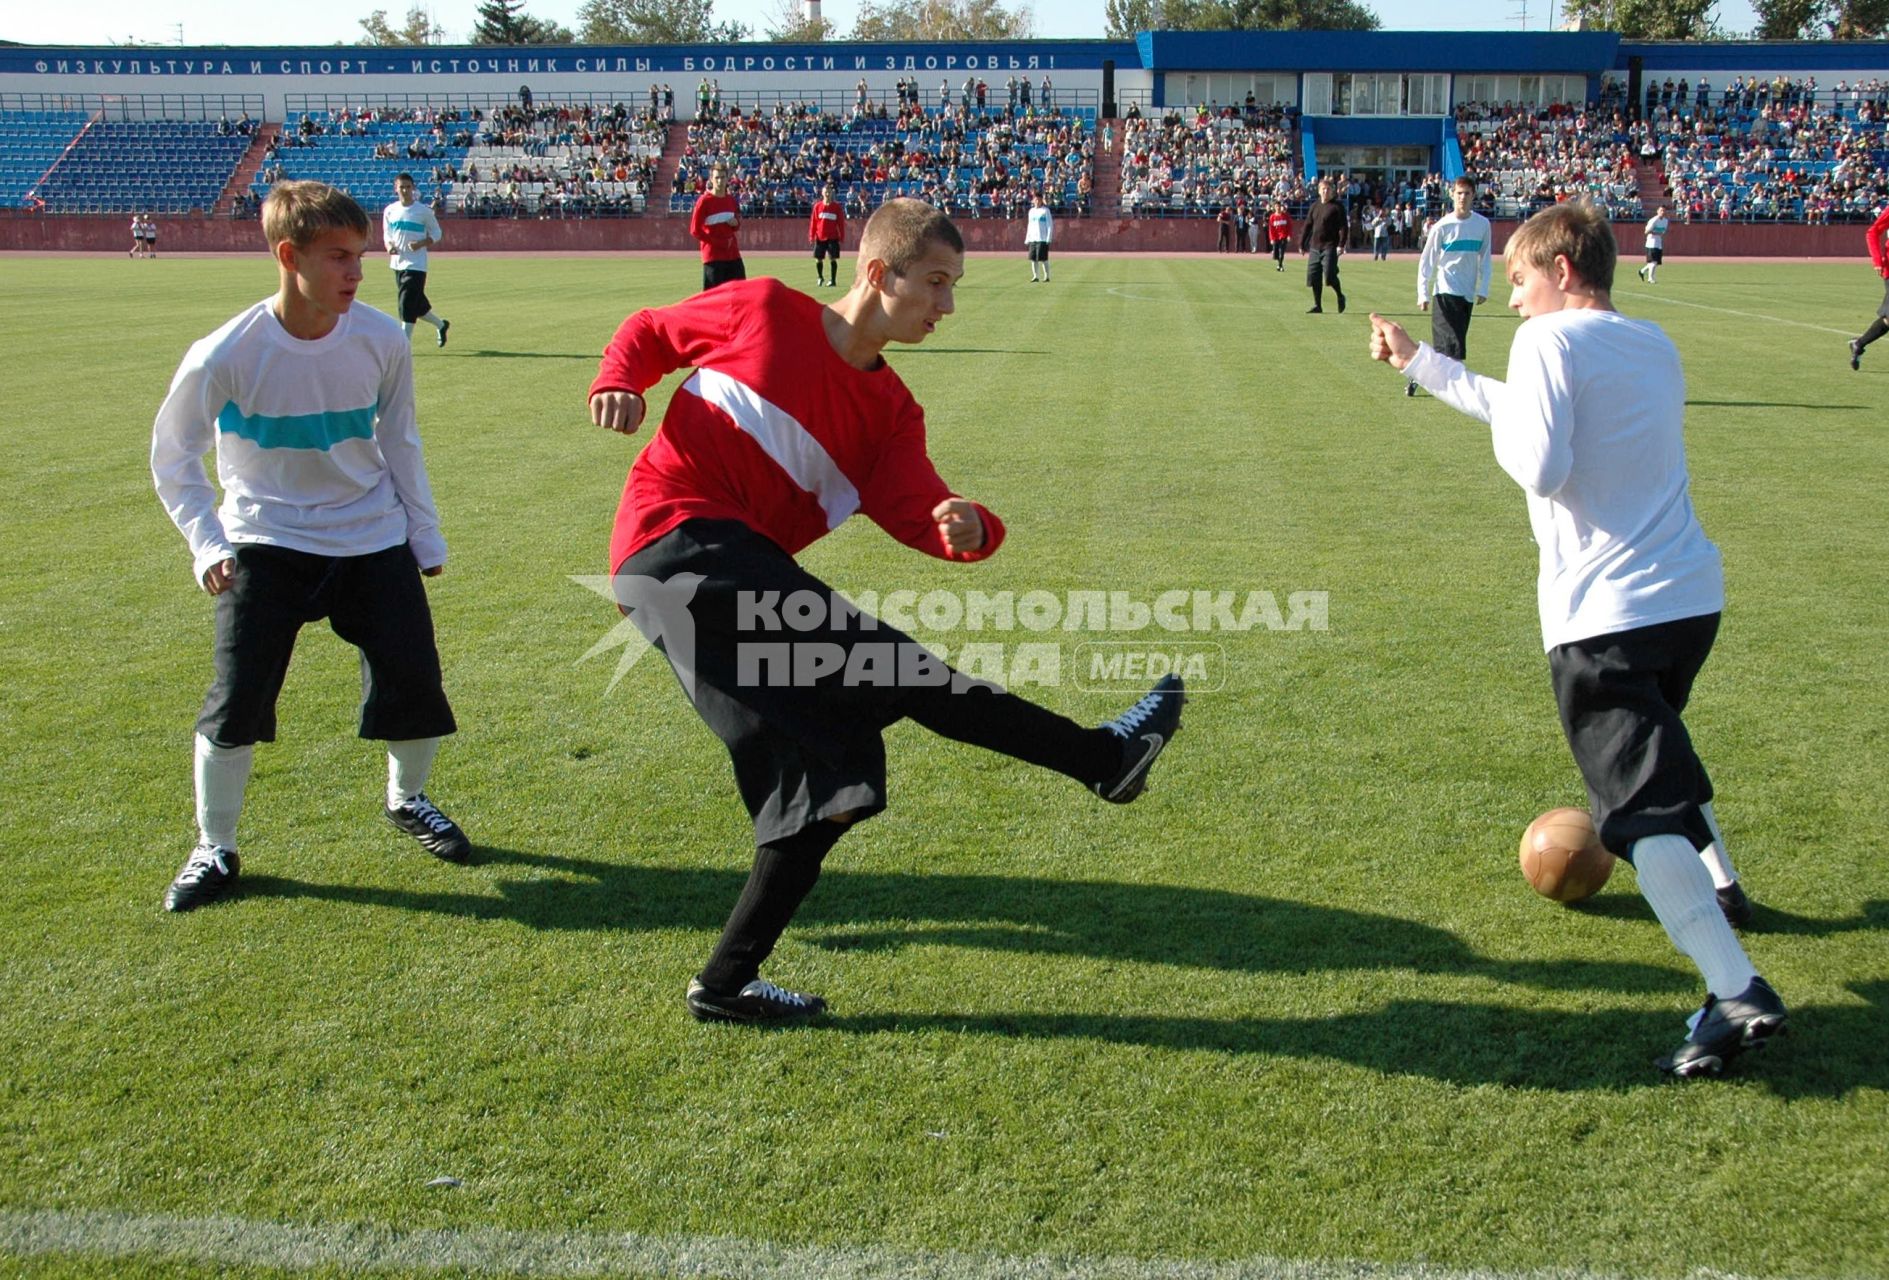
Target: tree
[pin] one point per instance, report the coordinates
(419, 29)
(953, 20)
(1860, 19)
(656, 22)
(1647, 19)
(1125, 17)
(506, 22)
(790, 25)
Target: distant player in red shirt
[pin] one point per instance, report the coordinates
(790, 422)
(1279, 234)
(1879, 255)
(826, 229)
(714, 223)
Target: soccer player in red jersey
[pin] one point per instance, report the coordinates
(1878, 255)
(715, 223)
(790, 422)
(826, 229)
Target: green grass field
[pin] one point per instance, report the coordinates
(1293, 1013)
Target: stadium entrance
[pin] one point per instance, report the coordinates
(1395, 165)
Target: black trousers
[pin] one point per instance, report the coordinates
(1620, 698)
(1449, 324)
(375, 602)
(714, 273)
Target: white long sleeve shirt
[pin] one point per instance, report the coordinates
(316, 445)
(1591, 424)
(1457, 258)
(1039, 226)
(402, 225)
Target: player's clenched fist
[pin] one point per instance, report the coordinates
(959, 524)
(1390, 343)
(617, 411)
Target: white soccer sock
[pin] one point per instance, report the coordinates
(406, 327)
(432, 318)
(221, 774)
(1675, 884)
(408, 763)
(1716, 859)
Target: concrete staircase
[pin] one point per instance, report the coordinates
(247, 168)
(675, 142)
(1652, 189)
(1106, 198)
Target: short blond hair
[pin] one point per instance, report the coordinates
(298, 212)
(1578, 231)
(900, 231)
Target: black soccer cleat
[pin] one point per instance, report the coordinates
(1315, 311)
(760, 1003)
(1145, 730)
(437, 833)
(208, 875)
(1736, 906)
(1856, 354)
(1726, 1028)
(1410, 389)
(1341, 304)
(444, 325)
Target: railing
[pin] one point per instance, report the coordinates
(141, 106)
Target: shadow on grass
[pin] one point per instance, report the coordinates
(1830, 1051)
(1833, 1049)
(1764, 919)
(883, 911)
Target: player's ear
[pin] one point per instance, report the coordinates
(875, 271)
(284, 251)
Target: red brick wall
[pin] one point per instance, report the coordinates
(77, 233)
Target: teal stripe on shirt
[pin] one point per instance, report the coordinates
(403, 225)
(1467, 246)
(298, 430)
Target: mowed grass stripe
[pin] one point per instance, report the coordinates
(355, 1249)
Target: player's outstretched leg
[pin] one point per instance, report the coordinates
(1145, 729)
(1876, 330)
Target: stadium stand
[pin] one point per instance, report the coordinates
(361, 150)
(31, 142)
(155, 166)
(1191, 164)
(970, 162)
(1528, 158)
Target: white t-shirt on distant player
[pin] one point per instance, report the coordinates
(406, 224)
(1656, 233)
(1038, 230)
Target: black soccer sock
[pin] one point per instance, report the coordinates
(965, 711)
(784, 874)
(1318, 293)
(1872, 333)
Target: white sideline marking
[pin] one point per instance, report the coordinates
(355, 1248)
(1749, 315)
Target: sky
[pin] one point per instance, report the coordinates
(98, 22)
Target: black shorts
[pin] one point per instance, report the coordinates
(714, 273)
(800, 699)
(1655, 255)
(411, 287)
(1038, 250)
(1620, 698)
(375, 602)
(1321, 263)
(826, 249)
(1449, 324)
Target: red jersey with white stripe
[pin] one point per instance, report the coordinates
(1278, 227)
(772, 428)
(716, 222)
(828, 221)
